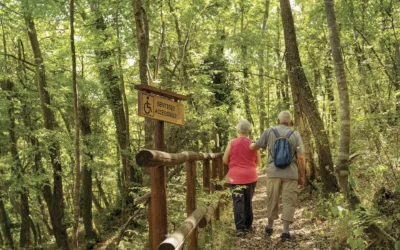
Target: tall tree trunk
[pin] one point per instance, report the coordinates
(388, 11)
(7, 86)
(342, 168)
(1, 239)
(56, 207)
(362, 63)
(97, 204)
(34, 232)
(101, 192)
(397, 83)
(301, 89)
(39, 232)
(246, 82)
(45, 186)
(131, 172)
(77, 185)
(261, 82)
(246, 97)
(87, 186)
(330, 97)
(113, 93)
(44, 215)
(6, 224)
(143, 40)
(142, 37)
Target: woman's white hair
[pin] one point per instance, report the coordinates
(243, 127)
(285, 117)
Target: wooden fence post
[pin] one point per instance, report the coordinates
(206, 176)
(221, 176)
(221, 171)
(191, 199)
(214, 177)
(158, 226)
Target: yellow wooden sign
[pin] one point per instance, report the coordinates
(159, 108)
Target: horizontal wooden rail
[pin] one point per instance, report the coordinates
(143, 199)
(209, 214)
(154, 158)
(197, 218)
(176, 239)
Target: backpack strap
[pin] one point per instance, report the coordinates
(289, 133)
(275, 132)
(277, 136)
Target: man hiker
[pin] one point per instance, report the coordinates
(285, 171)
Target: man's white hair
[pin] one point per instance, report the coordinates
(243, 127)
(285, 117)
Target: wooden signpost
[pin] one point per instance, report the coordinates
(160, 105)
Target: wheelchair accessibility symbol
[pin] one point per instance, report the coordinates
(147, 107)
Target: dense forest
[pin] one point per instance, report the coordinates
(70, 130)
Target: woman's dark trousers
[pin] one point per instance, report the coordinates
(242, 195)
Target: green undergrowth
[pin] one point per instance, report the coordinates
(380, 205)
(219, 234)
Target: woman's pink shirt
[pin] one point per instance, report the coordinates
(242, 162)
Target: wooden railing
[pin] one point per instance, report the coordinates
(197, 216)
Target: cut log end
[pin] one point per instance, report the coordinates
(166, 246)
(143, 158)
(203, 223)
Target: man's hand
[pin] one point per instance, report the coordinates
(301, 182)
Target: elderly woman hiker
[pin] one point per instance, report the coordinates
(242, 176)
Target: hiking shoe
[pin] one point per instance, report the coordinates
(241, 232)
(285, 236)
(250, 229)
(268, 231)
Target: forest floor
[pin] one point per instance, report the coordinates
(306, 233)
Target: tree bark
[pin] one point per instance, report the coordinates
(113, 93)
(261, 81)
(246, 97)
(101, 192)
(301, 89)
(91, 235)
(330, 96)
(6, 224)
(7, 86)
(397, 83)
(44, 216)
(97, 204)
(143, 40)
(77, 184)
(342, 167)
(142, 37)
(1, 239)
(245, 84)
(34, 232)
(45, 185)
(39, 232)
(56, 207)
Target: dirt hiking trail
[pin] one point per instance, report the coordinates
(306, 233)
